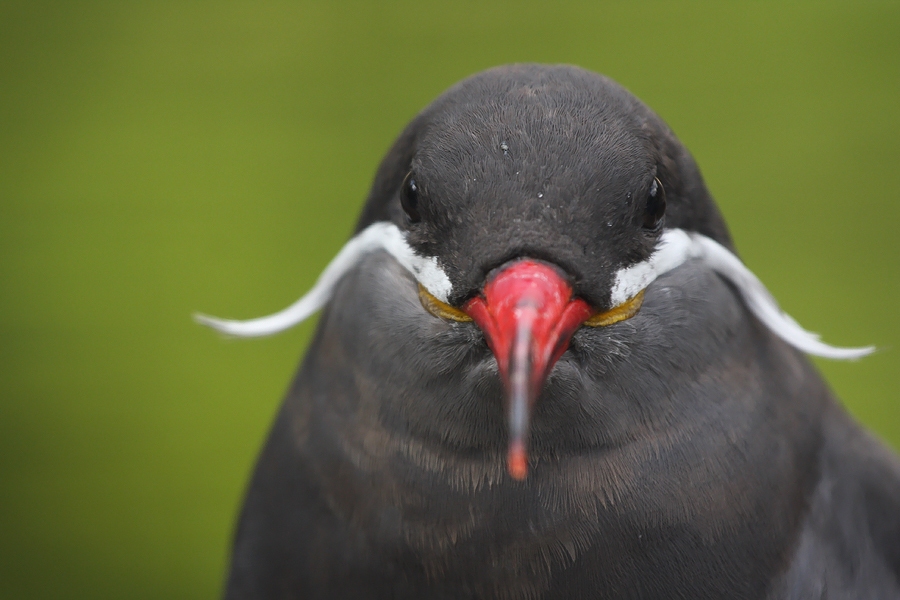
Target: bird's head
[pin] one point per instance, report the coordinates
(537, 190)
(531, 201)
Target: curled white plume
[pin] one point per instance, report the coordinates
(675, 247)
(378, 236)
(763, 305)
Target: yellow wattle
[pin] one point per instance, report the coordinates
(440, 309)
(626, 310)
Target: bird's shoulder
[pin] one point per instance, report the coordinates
(849, 545)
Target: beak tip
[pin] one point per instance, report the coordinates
(517, 461)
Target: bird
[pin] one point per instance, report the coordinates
(541, 370)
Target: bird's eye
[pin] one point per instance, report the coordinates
(409, 198)
(656, 206)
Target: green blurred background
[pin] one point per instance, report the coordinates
(161, 158)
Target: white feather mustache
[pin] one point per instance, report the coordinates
(675, 247)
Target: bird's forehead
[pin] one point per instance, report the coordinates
(535, 136)
(531, 166)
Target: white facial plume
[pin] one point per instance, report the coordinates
(675, 247)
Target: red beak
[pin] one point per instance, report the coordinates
(528, 315)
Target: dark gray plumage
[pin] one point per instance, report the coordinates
(686, 452)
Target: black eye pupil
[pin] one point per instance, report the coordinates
(409, 198)
(656, 206)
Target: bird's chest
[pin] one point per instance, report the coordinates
(458, 527)
(473, 534)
